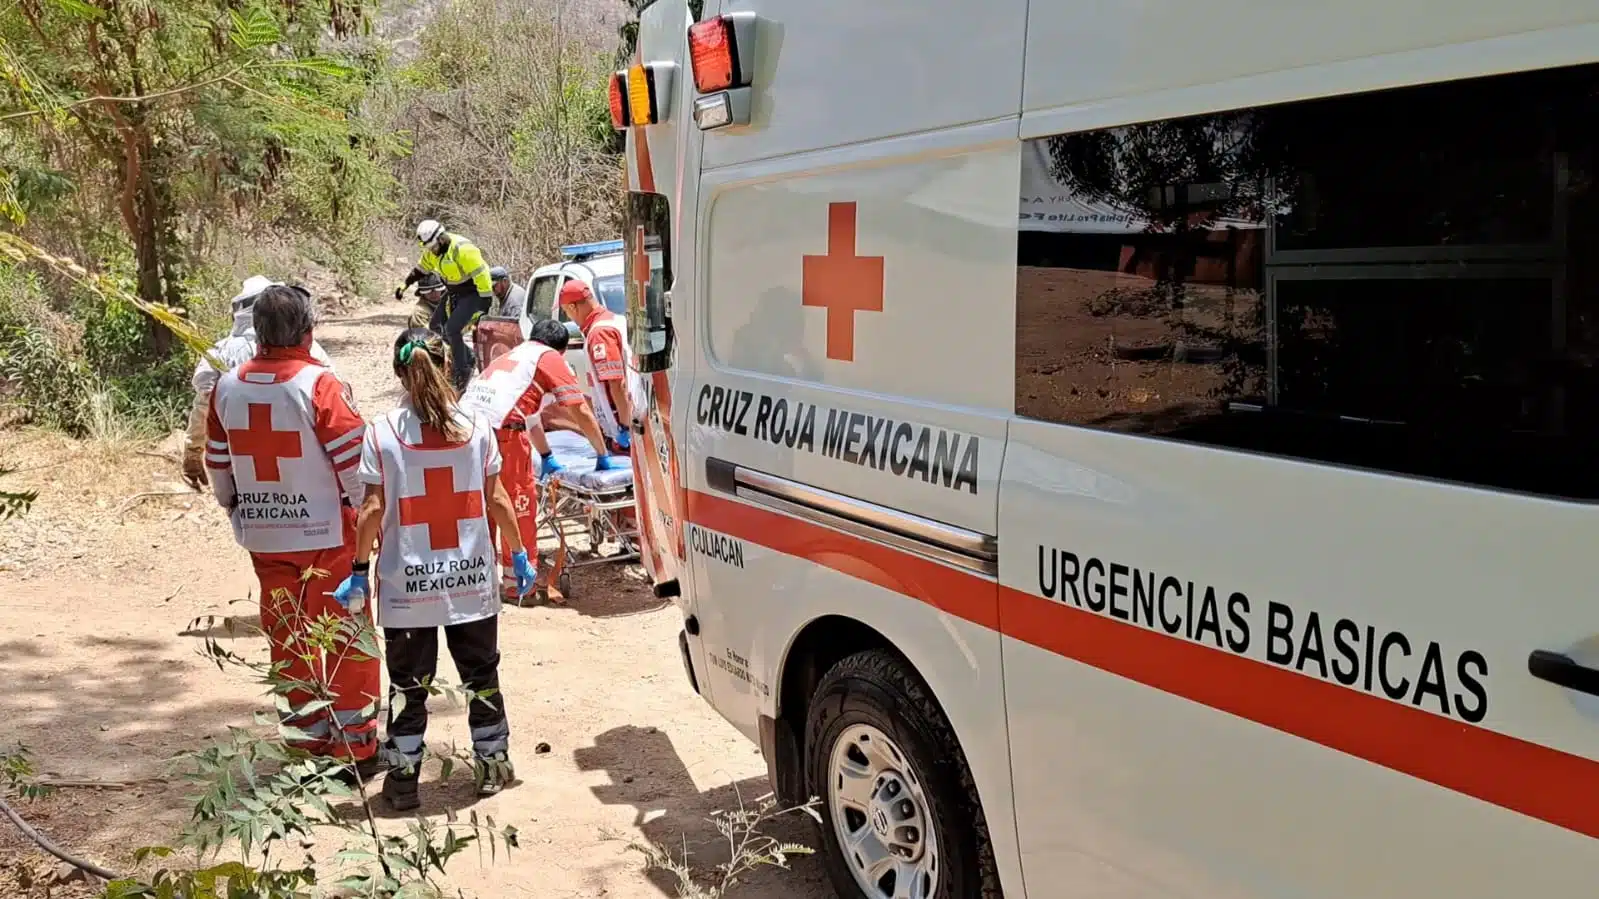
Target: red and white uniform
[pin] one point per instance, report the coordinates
(605, 340)
(435, 564)
(282, 444)
(509, 394)
(283, 439)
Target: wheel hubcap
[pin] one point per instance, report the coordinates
(880, 816)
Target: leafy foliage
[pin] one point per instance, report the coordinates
(254, 793)
(179, 117)
(74, 374)
(17, 774)
(15, 503)
(505, 111)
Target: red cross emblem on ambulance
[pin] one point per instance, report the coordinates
(841, 282)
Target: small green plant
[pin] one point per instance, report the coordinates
(259, 800)
(18, 774)
(749, 849)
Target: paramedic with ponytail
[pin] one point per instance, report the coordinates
(509, 394)
(432, 472)
(283, 442)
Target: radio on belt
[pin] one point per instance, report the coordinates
(722, 51)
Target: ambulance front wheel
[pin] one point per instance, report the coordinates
(900, 813)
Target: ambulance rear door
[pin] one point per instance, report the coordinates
(660, 250)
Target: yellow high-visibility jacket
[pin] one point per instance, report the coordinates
(461, 262)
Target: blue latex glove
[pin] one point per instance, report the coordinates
(525, 575)
(624, 439)
(352, 593)
(605, 463)
(549, 466)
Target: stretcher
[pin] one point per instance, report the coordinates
(579, 500)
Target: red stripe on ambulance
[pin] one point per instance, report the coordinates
(1525, 777)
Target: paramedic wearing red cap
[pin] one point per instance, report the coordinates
(283, 443)
(616, 385)
(510, 393)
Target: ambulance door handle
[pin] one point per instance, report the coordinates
(1563, 671)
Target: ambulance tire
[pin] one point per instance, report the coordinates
(877, 689)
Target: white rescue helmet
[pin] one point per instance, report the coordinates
(428, 232)
(251, 289)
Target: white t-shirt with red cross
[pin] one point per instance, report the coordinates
(514, 386)
(436, 564)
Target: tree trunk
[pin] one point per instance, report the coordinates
(140, 216)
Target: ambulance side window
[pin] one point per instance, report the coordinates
(647, 268)
(1403, 280)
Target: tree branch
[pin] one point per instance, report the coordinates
(158, 95)
(45, 844)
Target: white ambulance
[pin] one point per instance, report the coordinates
(1135, 449)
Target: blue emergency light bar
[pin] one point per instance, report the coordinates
(580, 251)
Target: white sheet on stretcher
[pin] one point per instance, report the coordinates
(577, 458)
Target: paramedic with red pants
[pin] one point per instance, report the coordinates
(617, 390)
(432, 472)
(283, 443)
(617, 387)
(509, 393)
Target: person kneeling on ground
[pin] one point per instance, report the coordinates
(432, 472)
(509, 395)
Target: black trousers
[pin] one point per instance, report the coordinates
(450, 319)
(413, 657)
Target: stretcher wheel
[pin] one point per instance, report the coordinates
(594, 537)
(564, 584)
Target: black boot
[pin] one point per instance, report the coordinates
(400, 788)
(363, 772)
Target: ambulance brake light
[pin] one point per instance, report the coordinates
(722, 52)
(711, 44)
(619, 112)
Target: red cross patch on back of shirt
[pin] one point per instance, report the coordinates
(265, 446)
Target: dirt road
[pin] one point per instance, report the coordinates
(99, 678)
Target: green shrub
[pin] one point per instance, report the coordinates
(42, 372)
